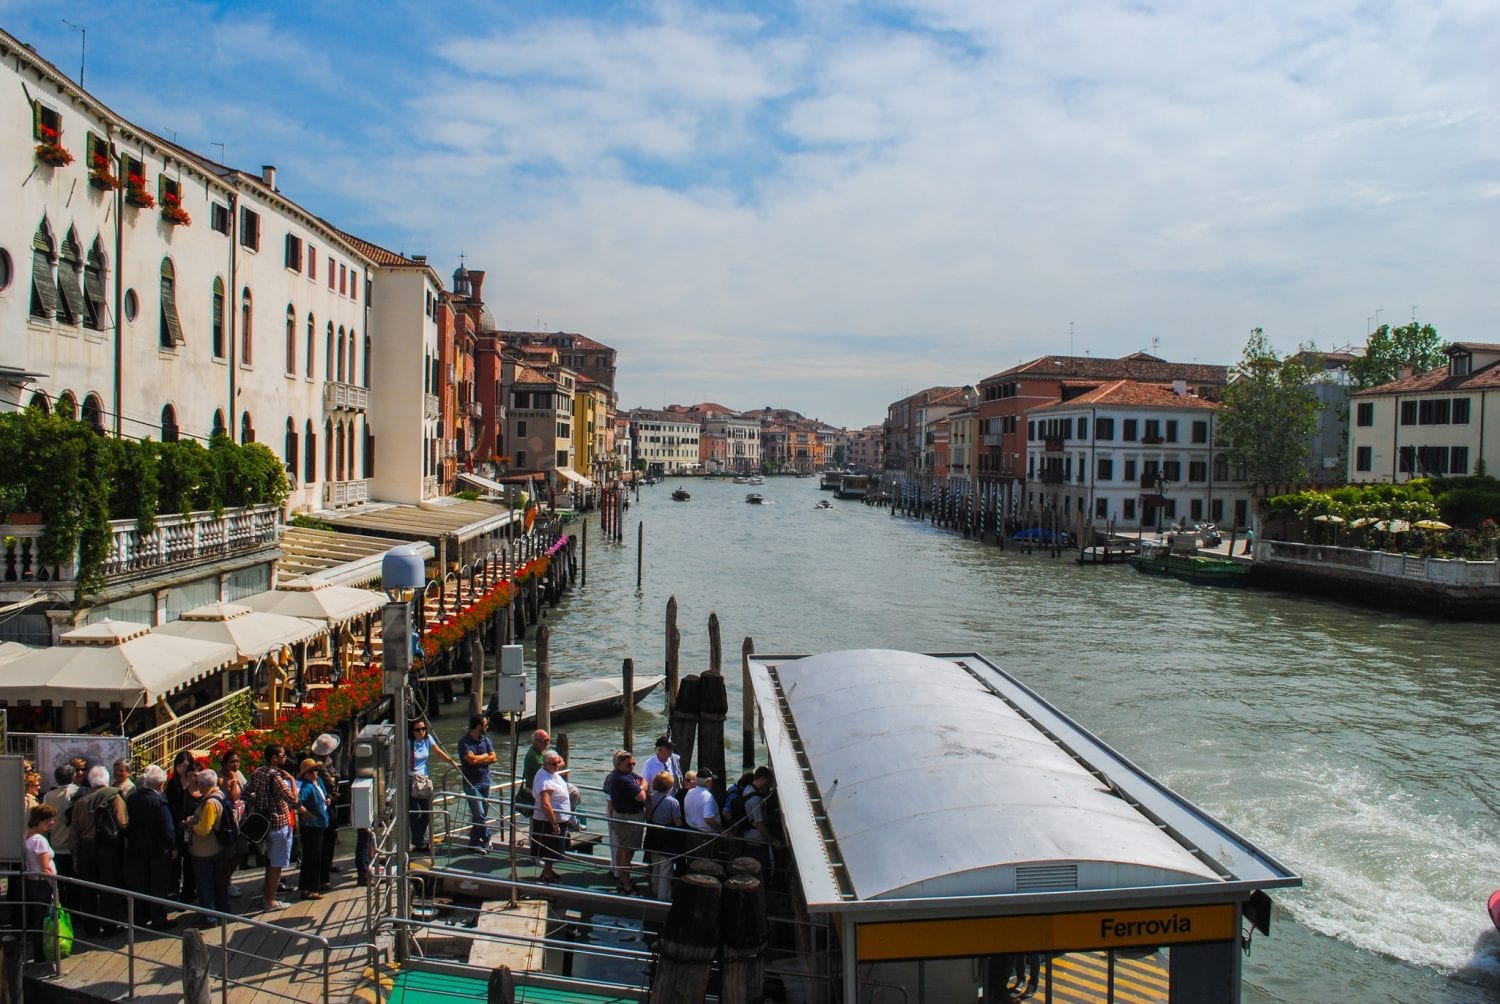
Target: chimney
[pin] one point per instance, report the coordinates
(420, 259)
(268, 176)
(1179, 387)
(476, 286)
(1403, 371)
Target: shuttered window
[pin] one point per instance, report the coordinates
(70, 280)
(95, 311)
(171, 326)
(218, 318)
(43, 286)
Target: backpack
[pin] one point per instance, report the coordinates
(226, 827)
(734, 806)
(106, 824)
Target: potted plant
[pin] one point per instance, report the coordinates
(100, 175)
(136, 192)
(172, 211)
(50, 150)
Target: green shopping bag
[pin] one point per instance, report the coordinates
(57, 934)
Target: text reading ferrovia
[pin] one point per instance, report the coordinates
(1175, 924)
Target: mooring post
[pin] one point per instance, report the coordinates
(683, 723)
(640, 553)
(627, 683)
(672, 638)
(196, 967)
(583, 572)
(742, 921)
(689, 941)
(715, 645)
(713, 708)
(543, 680)
(747, 709)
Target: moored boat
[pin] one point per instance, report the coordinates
(1204, 569)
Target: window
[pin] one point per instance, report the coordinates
(332, 272)
(169, 430)
(562, 458)
(92, 413)
(367, 362)
(1432, 459)
(7, 270)
(1406, 459)
(1129, 431)
(1153, 431)
(1106, 469)
(1083, 428)
(218, 217)
(1408, 413)
(294, 252)
(349, 368)
(312, 262)
(94, 310)
(369, 453)
(310, 455)
(289, 451)
(217, 333)
(312, 337)
(1101, 508)
(1363, 457)
(343, 279)
(1031, 430)
(328, 372)
(1130, 470)
(219, 428)
(247, 429)
(165, 187)
(338, 369)
(521, 458)
(1364, 414)
(1221, 467)
(1460, 364)
(247, 330)
(43, 121)
(1216, 510)
(1433, 412)
(132, 305)
(44, 295)
(521, 427)
(1130, 508)
(1195, 509)
(249, 229)
(1171, 430)
(1104, 428)
(291, 340)
(1200, 432)
(1171, 470)
(1460, 411)
(170, 329)
(70, 280)
(1197, 470)
(1458, 460)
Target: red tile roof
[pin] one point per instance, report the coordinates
(1137, 366)
(378, 254)
(1133, 394)
(1438, 381)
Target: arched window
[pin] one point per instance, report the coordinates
(328, 450)
(338, 372)
(312, 329)
(170, 331)
(367, 360)
(310, 455)
(289, 450)
(169, 430)
(338, 449)
(218, 318)
(94, 310)
(351, 369)
(39, 402)
(247, 428)
(70, 280)
(369, 452)
(247, 332)
(220, 429)
(44, 295)
(349, 449)
(291, 340)
(328, 371)
(67, 405)
(93, 413)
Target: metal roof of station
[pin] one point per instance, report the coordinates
(927, 781)
(445, 517)
(344, 559)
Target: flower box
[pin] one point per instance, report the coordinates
(136, 192)
(100, 176)
(50, 150)
(172, 211)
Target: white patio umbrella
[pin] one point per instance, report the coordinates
(316, 601)
(1393, 525)
(1431, 524)
(1327, 517)
(251, 632)
(111, 661)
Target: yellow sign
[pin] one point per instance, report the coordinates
(1062, 932)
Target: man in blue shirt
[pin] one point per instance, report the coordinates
(475, 755)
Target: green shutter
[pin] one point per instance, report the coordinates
(70, 279)
(171, 326)
(93, 290)
(43, 286)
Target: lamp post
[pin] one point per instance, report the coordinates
(402, 575)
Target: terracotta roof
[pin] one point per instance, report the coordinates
(1438, 381)
(946, 395)
(378, 254)
(1137, 366)
(578, 341)
(651, 415)
(525, 374)
(1132, 394)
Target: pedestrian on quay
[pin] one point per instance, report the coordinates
(627, 802)
(322, 750)
(759, 835)
(663, 841)
(312, 820)
(205, 848)
(61, 836)
(423, 748)
(664, 760)
(182, 799)
(532, 763)
(553, 814)
(39, 880)
(33, 792)
(150, 846)
(100, 821)
(477, 753)
(120, 778)
(701, 814)
(273, 794)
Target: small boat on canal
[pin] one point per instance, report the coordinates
(580, 700)
(755, 498)
(1204, 569)
(680, 495)
(823, 504)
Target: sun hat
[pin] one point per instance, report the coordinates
(325, 744)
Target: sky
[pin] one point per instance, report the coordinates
(828, 206)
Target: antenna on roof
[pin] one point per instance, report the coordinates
(221, 151)
(83, 46)
(1155, 343)
(1070, 338)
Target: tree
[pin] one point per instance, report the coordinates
(1270, 412)
(1388, 349)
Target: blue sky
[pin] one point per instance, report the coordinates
(826, 206)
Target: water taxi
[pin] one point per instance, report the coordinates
(755, 498)
(1204, 569)
(680, 495)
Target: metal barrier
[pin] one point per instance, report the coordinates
(196, 729)
(225, 951)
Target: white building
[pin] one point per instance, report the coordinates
(667, 441)
(1446, 421)
(1137, 454)
(156, 293)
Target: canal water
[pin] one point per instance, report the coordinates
(1351, 744)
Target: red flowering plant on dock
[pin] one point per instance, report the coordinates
(172, 211)
(444, 634)
(362, 689)
(136, 192)
(101, 174)
(50, 150)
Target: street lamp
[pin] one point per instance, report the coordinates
(402, 575)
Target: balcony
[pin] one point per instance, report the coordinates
(343, 493)
(471, 409)
(430, 486)
(991, 439)
(430, 408)
(338, 396)
(1152, 440)
(177, 542)
(1053, 444)
(1052, 476)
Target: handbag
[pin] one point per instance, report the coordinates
(57, 934)
(255, 828)
(421, 787)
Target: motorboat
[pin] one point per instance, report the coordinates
(741, 480)
(823, 504)
(757, 480)
(755, 498)
(680, 495)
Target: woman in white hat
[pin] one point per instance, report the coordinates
(323, 748)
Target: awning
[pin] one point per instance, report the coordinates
(432, 520)
(575, 477)
(112, 661)
(481, 482)
(342, 559)
(251, 632)
(316, 601)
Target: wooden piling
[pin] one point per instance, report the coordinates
(747, 709)
(640, 554)
(746, 935)
(583, 569)
(715, 645)
(196, 968)
(689, 942)
(627, 681)
(713, 708)
(501, 988)
(544, 680)
(683, 723)
(673, 647)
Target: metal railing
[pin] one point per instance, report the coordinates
(197, 729)
(227, 950)
(340, 396)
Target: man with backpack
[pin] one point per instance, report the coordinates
(150, 844)
(273, 794)
(99, 822)
(212, 833)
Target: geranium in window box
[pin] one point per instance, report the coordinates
(136, 192)
(100, 175)
(50, 150)
(172, 211)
